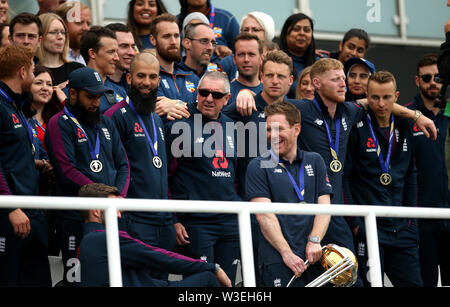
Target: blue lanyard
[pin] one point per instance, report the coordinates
(94, 152)
(22, 117)
(38, 124)
(153, 144)
(300, 188)
(212, 15)
(384, 164)
(334, 146)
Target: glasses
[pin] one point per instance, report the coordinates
(55, 33)
(306, 29)
(252, 29)
(215, 95)
(204, 41)
(427, 78)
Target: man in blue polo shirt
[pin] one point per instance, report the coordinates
(294, 176)
(432, 179)
(380, 170)
(84, 147)
(203, 167)
(142, 135)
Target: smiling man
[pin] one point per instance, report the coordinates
(206, 174)
(99, 49)
(297, 177)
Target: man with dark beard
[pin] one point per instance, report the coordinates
(177, 83)
(432, 174)
(142, 134)
(84, 147)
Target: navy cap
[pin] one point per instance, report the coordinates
(89, 80)
(352, 61)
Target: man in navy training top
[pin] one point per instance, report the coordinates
(99, 49)
(142, 134)
(203, 167)
(84, 147)
(138, 259)
(432, 178)
(380, 171)
(294, 176)
(23, 232)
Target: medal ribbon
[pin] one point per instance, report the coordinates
(212, 15)
(38, 124)
(22, 117)
(384, 164)
(153, 145)
(93, 151)
(334, 146)
(300, 188)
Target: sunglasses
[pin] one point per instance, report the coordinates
(427, 78)
(215, 95)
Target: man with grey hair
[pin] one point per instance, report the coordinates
(205, 170)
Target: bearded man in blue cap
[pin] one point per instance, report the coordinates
(84, 147)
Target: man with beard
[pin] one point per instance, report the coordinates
(99, 50)
(432, 175)
(84, 147)
(176, 82)
(142, 133)
(77, 17)
(23, 232)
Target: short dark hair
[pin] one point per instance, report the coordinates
(118, 27)
(427, 60)
(245, 36)
(359, 33)
(95, 190)
(91, 40)
(292, 114)
(279, 57)
(25, 19)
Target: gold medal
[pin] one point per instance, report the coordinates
(336, 166)
(385, 179)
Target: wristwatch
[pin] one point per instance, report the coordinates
(418, 113)
(314, 239)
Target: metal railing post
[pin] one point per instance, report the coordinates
(373, 251)
(245, 231)
(113, 247)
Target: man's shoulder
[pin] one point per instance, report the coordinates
(119, 108)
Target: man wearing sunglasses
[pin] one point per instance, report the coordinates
(432, 174)
(199, 43)
(203, 167)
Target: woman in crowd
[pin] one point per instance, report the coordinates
(53, 49)
(140, 15)
(4, 32)
(305, 88)
(297, 40)
(259, 24)
(4, 11)
(357, 71)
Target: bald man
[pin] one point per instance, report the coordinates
(141, 131)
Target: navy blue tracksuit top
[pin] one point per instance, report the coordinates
(137, 258)
(146, 181)
(196, 170)
(362, 171)
(432, 178)
(68, 151)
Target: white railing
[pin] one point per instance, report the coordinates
(243, 209)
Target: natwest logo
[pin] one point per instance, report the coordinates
(219, 161)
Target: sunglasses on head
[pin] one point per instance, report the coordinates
(215, 95)
(427, 78)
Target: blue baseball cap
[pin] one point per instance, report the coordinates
(353, 61)
(89, 80)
